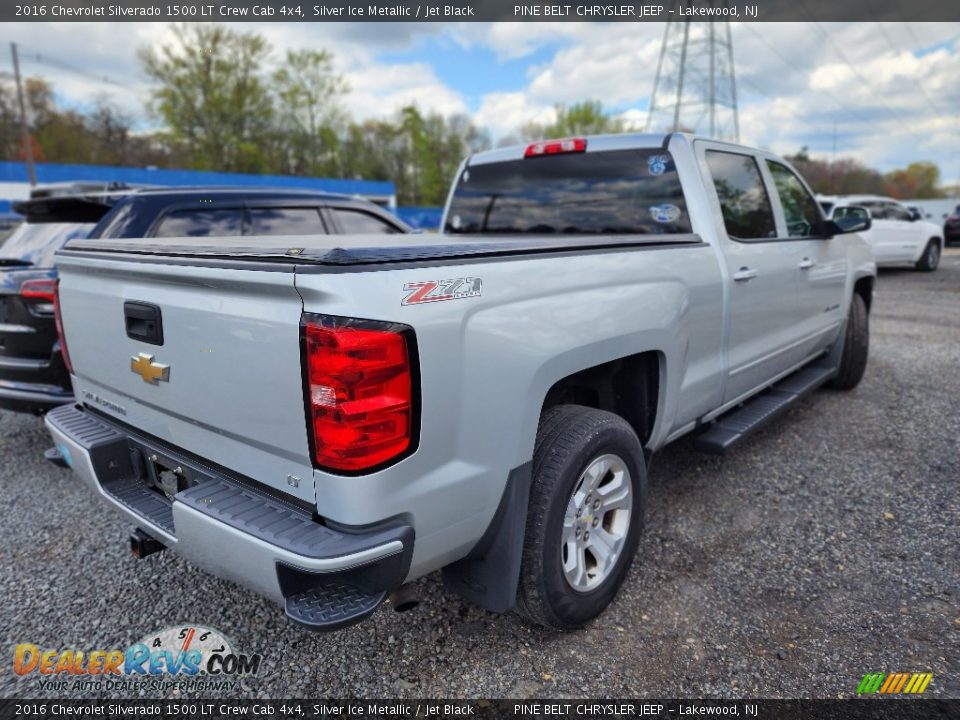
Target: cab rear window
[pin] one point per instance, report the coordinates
(219, 222)
(619, 192)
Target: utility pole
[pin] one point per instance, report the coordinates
(833, 161)
(695, 85)
(24, 128)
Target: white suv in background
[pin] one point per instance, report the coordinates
(897, 236)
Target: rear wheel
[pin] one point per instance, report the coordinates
(586, 513)
(931, 257)
(856, 346)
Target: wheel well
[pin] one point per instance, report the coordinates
(627, 386)
(864, 288)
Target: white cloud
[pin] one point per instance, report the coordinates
(513, 40)
(609, 62)
(615, 66)
(505, 113)
(379, 90)
(794, 81)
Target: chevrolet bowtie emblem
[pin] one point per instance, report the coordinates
(151, 372)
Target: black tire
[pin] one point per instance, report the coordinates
(856, 346)
(930, 259)
(569, 438)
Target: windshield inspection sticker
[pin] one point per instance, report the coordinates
(657, 164)
(665, 213)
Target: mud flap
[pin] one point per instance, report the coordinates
(490, 574)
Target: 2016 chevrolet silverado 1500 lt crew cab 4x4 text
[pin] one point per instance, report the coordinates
(323, 419)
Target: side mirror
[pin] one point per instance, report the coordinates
(849, 219)
(915, 215)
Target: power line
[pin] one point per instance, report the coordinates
(897, 49)
(793, 69)
(893, 114)
(841, 105)
(31, 54)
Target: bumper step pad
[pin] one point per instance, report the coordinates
(734, 426)
(329, 576)
(332, 606)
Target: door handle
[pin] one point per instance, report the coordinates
(744, 274)
(806, 264)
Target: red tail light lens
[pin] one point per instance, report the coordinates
(39, 290)
(360, 392)
(63, 338)
(556, 147)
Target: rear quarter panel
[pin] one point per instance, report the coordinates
(487, 362)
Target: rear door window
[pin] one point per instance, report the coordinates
(285, 221)
(617, 192)
(897, 212)
(194, 222)
(357, 222)
(876, 209)
(799, 208)
(747, 213)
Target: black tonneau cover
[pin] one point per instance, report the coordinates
(340, 250)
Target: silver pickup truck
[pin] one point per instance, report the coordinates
(325, 419)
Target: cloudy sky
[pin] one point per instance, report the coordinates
(886, 93)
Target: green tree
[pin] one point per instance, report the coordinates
(844, 176)
(419, 153)
(10, 139)
(917, 181)
(583, 118)
(58, 135)
(211, 94)
(309, 113)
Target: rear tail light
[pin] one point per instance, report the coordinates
(59, 320)
(556, 147)
(41, 292)
(39, 289)
(359, 381)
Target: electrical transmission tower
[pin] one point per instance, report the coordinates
(695, 88)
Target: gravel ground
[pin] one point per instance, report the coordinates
(823, 548)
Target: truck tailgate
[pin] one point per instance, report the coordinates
(232, 390)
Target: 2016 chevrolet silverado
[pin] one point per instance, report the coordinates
(323, 419)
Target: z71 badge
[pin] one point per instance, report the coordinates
(436, 290)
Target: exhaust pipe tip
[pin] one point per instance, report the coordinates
(404, 598)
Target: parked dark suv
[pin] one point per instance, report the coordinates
(32, 374)
(951, 227)
(33, 377)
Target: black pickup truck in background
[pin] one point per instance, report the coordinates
(33, 377)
